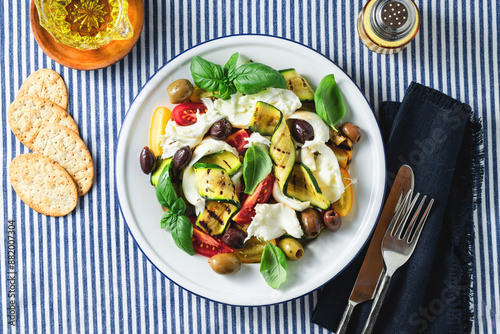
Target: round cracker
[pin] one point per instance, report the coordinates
(47, 84)
(67, 149)
(43, 185)
(28, 114)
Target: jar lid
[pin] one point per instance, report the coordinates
(393, 19)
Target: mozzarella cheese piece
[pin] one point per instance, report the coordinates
(177, 136)
(258, 139)
(321, 129)
(325, 168)
(190, 184)
(273, 220)
(239, 108)
(291, 202)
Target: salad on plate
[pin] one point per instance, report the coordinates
(251, 164)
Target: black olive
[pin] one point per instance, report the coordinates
(221, 129)
(234, 238)
(147, 160)
(332, 220)
(182, 157)
(311, 222)
(302, 131)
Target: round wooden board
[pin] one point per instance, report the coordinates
(92, 59)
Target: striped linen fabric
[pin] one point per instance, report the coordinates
(83, 273)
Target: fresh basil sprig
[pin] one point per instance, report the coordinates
(273, 265)
(252, 78)
(328, 100)
(256, 167)
(174, 219)
(248, 78)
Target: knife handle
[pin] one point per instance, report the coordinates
(377, 304)
(344, 322)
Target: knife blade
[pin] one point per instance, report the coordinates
(373, 264)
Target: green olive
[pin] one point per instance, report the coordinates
(292, 248)
(225, 263)
(179, 91)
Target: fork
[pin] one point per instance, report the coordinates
(398, 245)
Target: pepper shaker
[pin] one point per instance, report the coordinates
(387, 26)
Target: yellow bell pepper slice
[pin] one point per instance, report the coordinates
(159, 121)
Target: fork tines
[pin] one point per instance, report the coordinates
(410, 231)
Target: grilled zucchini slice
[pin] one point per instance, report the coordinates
(298, 85)
(265, 118)
(225, 159)
(303, 186)
(215, 184)
(282, 152)
(216, 217)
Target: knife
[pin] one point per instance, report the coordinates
(373, 264)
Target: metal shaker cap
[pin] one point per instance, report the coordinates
(393, 19)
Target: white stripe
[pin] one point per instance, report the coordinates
(486, 260)
(494, 206)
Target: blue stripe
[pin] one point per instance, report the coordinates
(172, 307)
(240, 17)
(41, 266)
(144, 302)
(259, 13)
(163, 290)
(135, 279)
(198, 311)
(309, 24)
(66, 271)
(190, 31)
(154, 283)
(174, 32)
(49, 266)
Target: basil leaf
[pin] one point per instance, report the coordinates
(179, 206)
(167, 219)
(328, 100)
(207, 75)
(225, 91)
(230, 66)
(165, 191)
(252, 78)
(256, 167)
(182, 232)
(273, 265)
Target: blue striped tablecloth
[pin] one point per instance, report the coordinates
(84, 274)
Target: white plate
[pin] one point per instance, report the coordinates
(326, 256)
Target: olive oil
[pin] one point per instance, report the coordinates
(85, 24)
(88, 18)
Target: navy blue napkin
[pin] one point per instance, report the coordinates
(440, 139)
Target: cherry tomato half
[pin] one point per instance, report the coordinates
(259, 196)
(237, 140)
(185, 113)
(205, 245)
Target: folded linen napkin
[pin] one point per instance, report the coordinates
(440, 139)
